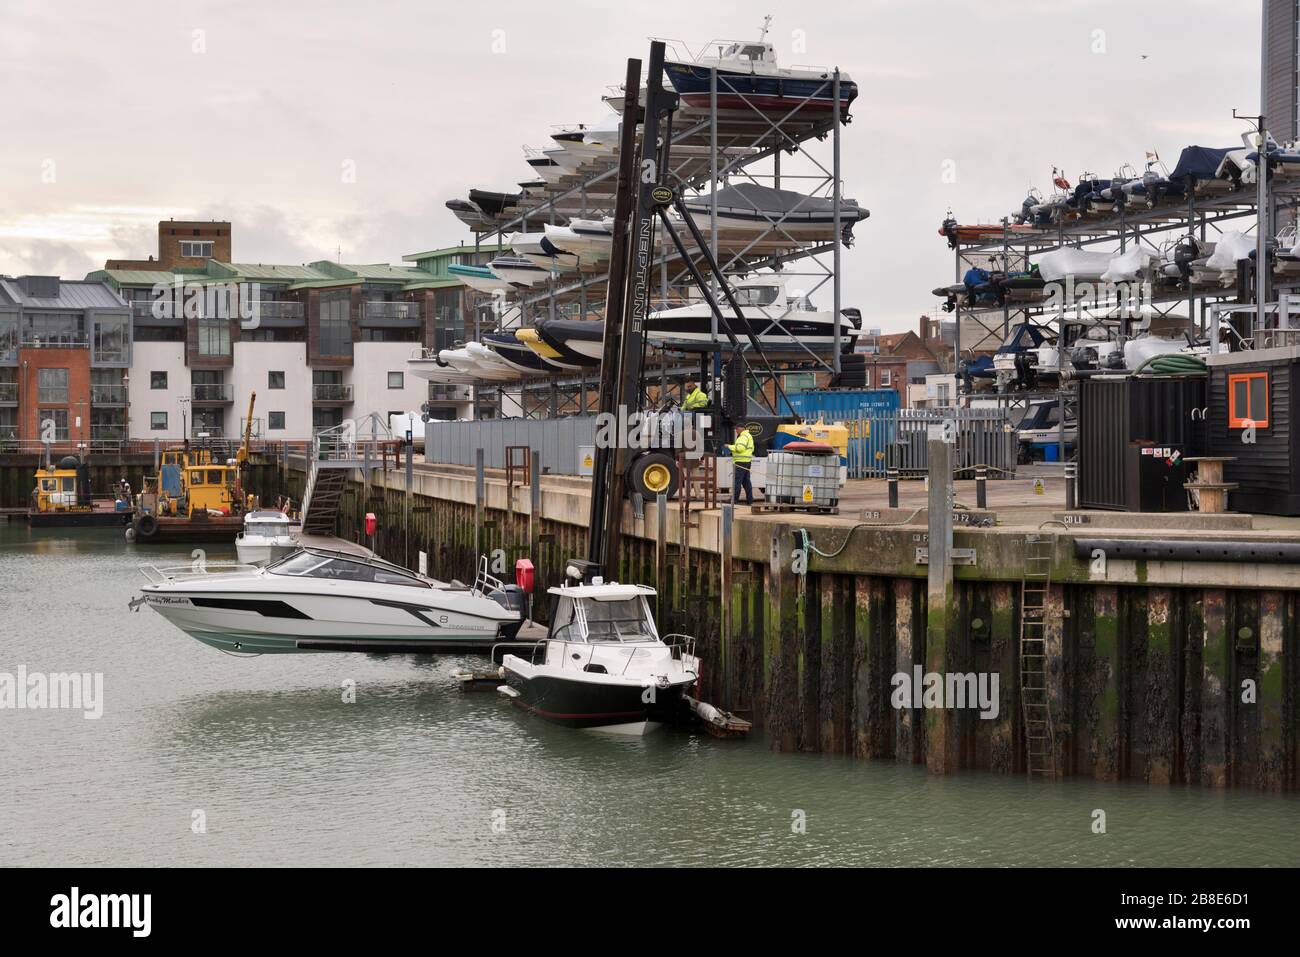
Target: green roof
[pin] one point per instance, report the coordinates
(452, 251)
(270, 271)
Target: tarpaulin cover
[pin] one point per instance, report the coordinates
(1198, 162)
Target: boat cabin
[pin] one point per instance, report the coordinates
(602, 613)
(748, 53)
(210, 487)
(340, 566)
(267, 523)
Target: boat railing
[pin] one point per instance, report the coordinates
(156, 575)
(484, 582)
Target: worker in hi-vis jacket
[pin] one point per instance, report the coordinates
(742, 454)
(696, 398)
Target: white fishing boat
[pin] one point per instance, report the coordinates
(268, 535)
(603, 664)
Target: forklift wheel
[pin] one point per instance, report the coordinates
(653, 474)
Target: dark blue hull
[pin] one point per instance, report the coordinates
(747, 90)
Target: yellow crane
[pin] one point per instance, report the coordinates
(242, 455)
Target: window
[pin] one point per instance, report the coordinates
(54, 424)
(214, 337)
(214, 477)
(1248, 400)
(52, 385)
(8, 335)
(756, 295)
(336, 322)
(196, 249)
(157, 380)
(395, 380)
(112, 338)
(866, 379)
(275, 420)
(799, 382)
(157, 421)
(884, 378)
(275, 380)
(943, 393)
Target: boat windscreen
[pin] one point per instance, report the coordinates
(756, 295)
(618, 620)
(309, 565)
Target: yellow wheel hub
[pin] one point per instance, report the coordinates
(657, 478)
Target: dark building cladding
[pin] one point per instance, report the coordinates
(1281, 68)
(1251, 406)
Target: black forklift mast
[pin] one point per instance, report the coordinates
(643, 195)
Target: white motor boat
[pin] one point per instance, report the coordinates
(783, 324)
(426, 364)
(539, 250)
(519, 271)
(469, 364)
(544, 166)
(323, 600)
(603, 665)
(268, 536)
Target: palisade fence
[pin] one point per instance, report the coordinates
(897, 440)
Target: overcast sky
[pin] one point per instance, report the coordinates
(119, 114)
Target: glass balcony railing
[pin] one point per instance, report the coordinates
(108, 395)
(390, 310)
(269, 309)
(212, 392)
(331, 392)
(56, 341)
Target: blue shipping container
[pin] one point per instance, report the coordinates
(831, 404)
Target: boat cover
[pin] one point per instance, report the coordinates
(751, 199)
(1124, 267)
(1198, 162)
(1078, 263)
(1231, 247)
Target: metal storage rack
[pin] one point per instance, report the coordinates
(711, 148)
(1199, 217)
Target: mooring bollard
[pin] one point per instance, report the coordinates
(1069, 486)
(981, 486)
(891, 476)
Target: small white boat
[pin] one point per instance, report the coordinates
(519, 271)
(469, 364)
(426, 364)
(268, 536)
(603, 665)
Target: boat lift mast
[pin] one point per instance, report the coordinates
(628, 299)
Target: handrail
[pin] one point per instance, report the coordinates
(178, 573)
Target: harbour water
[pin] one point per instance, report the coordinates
(202, 758)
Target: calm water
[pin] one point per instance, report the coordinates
(417, 773)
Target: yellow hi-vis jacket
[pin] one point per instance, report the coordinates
(698, 399)
(742, 450)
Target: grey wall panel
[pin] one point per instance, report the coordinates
(455, 443)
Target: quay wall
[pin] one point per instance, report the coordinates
(1164, 672)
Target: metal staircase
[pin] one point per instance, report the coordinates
(1040, 750)
(335, 453)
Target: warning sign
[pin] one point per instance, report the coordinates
(1039, 488)
(807, 494)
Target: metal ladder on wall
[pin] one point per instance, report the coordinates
(1040, 750)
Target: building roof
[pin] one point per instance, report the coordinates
(452, 251)
(72, 294)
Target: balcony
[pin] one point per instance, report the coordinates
(54, 342)
(212, 393)
(448, 393)
(107, 437)
(107, 394)
(277, 309)
(331, 392)
(390, 315)
(8, 393)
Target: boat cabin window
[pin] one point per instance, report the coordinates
(622, 620)
(67, 484)
(587, 619)
(309, 565)
(49, 485)
(196, 478)
(756, 295)
(214, 477)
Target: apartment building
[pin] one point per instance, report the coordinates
(65, 359)
(319, 343)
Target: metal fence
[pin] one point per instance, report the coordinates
(457, 443)
(897, 440)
